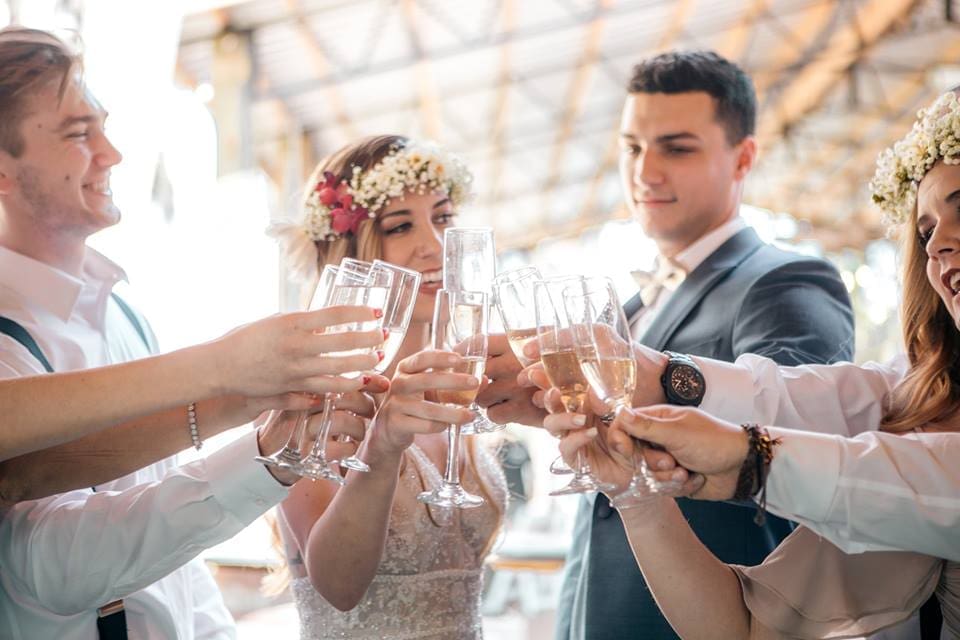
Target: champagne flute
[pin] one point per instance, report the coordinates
(513, 295)
(559, 357)
(290, 457)
(396, 318)
(605, 352)
(470, 264)
(359, 283)
(459, 325)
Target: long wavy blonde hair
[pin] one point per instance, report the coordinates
(366, 245)
(930, 392)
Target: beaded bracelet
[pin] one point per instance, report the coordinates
(752, 480)
(192, 423)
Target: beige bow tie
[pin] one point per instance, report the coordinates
(667, 277)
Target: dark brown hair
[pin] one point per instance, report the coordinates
(685, 71)
(29, 59)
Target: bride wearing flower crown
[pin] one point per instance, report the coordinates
(366, 559)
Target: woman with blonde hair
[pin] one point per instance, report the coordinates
(367, 560)
(808, 587)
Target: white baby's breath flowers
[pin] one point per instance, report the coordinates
(417, 167)
(935, 136)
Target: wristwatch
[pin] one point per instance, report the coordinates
(682, 381)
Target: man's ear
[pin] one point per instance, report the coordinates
(746, 157)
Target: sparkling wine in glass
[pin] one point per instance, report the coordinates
(470, 264)
(559, 357)
(459, 325)
(358, 283)
(290, 457)
(605, 352)
(513, 293)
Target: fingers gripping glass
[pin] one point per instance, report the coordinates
(605, 353)
(356, 283)
(459, 325)
(397, 312)
(290, 458)
(470, 264)
(559, 357)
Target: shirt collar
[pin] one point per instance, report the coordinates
(50, 288)
(691, 257)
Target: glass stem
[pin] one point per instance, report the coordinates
(582, 467)
(452, 475)
(295, 441)
(326, 421)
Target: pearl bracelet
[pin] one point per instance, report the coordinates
(192, 423)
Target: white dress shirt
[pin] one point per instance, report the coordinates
(135, 538)
(861, 489)
(687, 260)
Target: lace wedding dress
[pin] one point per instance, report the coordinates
(429, 581)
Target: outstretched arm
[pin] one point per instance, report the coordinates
(273, 356)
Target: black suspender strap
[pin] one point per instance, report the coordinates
(111, 618)
(931, 619)
(16, 331)
(132, 317)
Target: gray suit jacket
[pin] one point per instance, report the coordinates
(747, 297)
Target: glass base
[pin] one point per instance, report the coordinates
(641, 489)
(283, 460)
(583, 484)
(480, 423)
(451, 496)
(559, 467)
(354, 464)
(320, 469)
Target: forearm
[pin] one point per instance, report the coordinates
(114, 452)
(345, 545)
(843, 399)
(875, 492)
(699, 595)
(131, 539)
(46, 410)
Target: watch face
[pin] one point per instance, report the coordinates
(686, 383)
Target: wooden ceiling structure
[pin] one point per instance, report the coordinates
(529, 92)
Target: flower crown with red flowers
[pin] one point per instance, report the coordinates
(335, 207)
(331, 211)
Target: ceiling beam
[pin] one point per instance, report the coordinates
(736, 39)
(805, 30)
(898, 100)
(428, 97)
(574, 98)
(846, 46)
(320, 62)
(498, 126)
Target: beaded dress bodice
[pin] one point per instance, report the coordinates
(429, 581)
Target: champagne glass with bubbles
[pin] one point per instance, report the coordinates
(470, 264)
(459, 325)
(604, 350)
(559, 357)
(514, 296)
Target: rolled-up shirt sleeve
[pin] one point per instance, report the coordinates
(78, 550)
(842, 398)
(873, 492)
